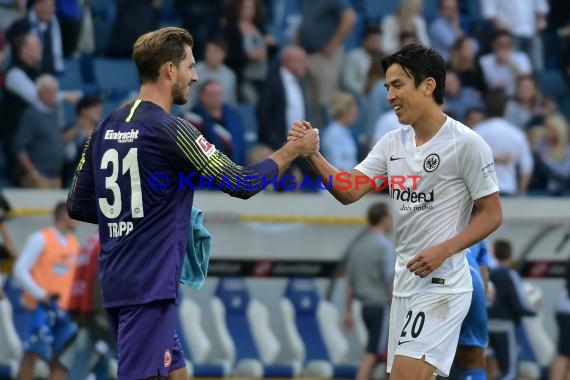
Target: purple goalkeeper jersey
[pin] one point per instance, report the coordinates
(121, 184)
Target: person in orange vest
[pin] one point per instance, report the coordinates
(45, 269)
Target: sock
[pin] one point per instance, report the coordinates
(475, 374)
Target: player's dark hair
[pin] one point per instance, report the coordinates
(377, 213)
(502, 249)
(59, 211)
(420, 62)
(153, 49)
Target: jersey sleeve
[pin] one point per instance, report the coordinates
(81, 202)
(477, 167)
(189, 149)
(375, 163)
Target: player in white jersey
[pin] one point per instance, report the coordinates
(447, 167)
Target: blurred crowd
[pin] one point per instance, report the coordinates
(264, 63)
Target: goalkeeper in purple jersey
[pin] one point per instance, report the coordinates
(122, 184)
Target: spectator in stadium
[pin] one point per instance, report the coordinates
(463, 60)
(504, 64)
(88, 113)
(506, 312)
(407, 19)
(213, 67)
(282, 100)
(510, 147)
(219, 122)
(446, 28)
(69, 16)
(554, 153)
(474, 116)
(324, 27)
(21, 91)
(370, 271)
(358, 61)
(45, 270)
(458, 99)
(375, 94)
(133, 18)
(526, 102)
(248, 46)
(38, 144)
(524, 20)
(202, 17)
(42, 20)
(338, 144)
(422, 343)
(12, 10)
(140, 269)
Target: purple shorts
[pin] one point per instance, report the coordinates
(147, 343)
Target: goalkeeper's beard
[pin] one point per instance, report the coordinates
(180, 94)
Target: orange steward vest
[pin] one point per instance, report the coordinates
(55, 268)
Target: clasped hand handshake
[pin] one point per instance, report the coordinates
(304, 137)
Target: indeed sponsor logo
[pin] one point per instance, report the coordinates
(122, 137)
(411, 196)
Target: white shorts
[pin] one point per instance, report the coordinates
(427, 325)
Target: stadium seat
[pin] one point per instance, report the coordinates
(71, 79)
(375, 10)
(317, 326)
(243, 324)
(196, 343)
(109, 106)
(116, 78)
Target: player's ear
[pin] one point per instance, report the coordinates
(429, 86)
(168, 69)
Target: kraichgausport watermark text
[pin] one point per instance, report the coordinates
(344, 181)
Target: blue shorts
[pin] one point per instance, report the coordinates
(147, 343)
(51, 330)
(474, 331)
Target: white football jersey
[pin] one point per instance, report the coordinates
(456, 167)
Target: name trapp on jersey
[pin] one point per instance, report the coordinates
(122, 137)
